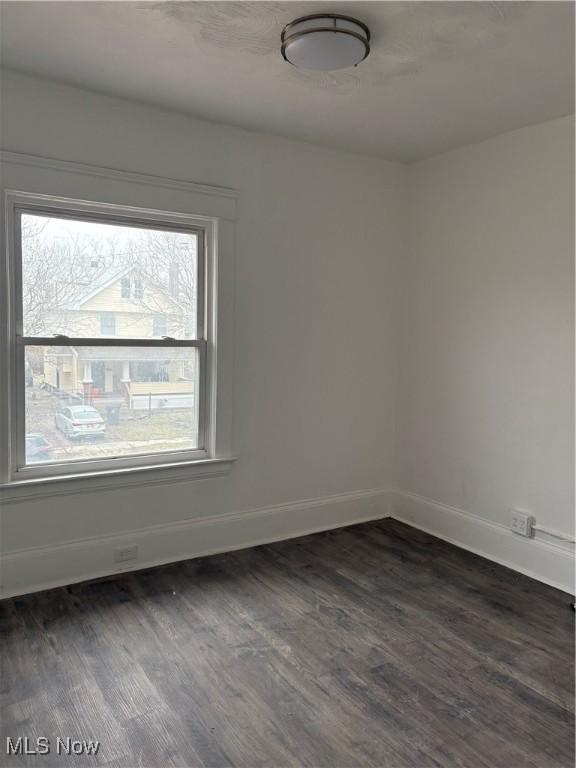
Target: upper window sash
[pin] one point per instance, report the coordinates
(153, 221)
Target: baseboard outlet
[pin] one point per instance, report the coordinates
(543, 560)
(40, 568)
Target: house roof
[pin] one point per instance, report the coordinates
(98, 283)
(104, 279)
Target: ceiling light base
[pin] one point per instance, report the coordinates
(325, 42)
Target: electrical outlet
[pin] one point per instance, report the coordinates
(124, 554)
(521, 523)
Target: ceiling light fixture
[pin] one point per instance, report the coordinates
(325, 41)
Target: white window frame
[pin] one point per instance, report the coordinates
(216, 237)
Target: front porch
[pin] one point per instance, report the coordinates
(136, 378)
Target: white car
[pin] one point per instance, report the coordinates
(80, 421)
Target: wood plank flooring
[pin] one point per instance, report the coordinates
(375, 645)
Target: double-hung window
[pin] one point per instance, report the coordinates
(95, 378)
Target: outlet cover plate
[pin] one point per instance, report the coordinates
(521, 523)
(125, 554)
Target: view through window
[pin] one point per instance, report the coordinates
(139, 289)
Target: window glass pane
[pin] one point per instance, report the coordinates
(75, 271)
(105, 402)
(107, 324)
(160, 325)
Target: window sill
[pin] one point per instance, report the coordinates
(111, 479)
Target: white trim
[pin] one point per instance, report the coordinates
(45, 183)
(20, 158)
(107, 480)
(38, 568)
(549, 562)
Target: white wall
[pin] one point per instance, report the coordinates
(317, 234)
(451, 309)
(486, 386)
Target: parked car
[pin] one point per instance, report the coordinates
(37, 448)
(80, 421)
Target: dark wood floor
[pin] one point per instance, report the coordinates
(375, 645)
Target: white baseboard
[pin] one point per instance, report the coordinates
(38, 568)
(542, 560)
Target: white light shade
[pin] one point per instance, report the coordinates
(325, 42)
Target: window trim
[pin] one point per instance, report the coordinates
(207, 227)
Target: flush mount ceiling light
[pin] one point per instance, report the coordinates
(325, 41)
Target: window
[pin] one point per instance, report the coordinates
(100, 399)
(187, 324)
(53, 355)
(159, 325)
(131, 287)
(107, 324)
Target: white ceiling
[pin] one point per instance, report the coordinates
(440, 74)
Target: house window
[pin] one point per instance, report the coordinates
(188, 326)
(106, 402)
(132, 288)
(107, 324)
(138, 288)
(159, 325)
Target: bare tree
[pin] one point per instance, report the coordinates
(166, 265)
(58, 271)
(55, 273)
